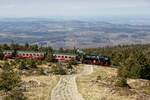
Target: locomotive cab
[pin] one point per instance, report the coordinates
(90, 59)
(104, 60)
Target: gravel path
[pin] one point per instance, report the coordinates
(66, 89)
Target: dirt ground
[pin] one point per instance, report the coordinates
(100, 85)
(66, 89)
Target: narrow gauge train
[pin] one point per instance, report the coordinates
(61, 57)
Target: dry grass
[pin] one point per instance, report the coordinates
(140, 85)
(1, 62)
(104, 88)
(41, 92)
(80, 68)
(146, 90)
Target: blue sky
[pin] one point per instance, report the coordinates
(46, 8)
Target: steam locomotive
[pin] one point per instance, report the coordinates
(96, 60)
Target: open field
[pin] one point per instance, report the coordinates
(100, 85)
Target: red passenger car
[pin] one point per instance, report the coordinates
(30, 55)
(64, 57)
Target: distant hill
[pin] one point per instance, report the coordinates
(69, 34)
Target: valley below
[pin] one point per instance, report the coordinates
(73, 33)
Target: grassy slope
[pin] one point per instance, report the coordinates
(41, 92)
(104, 88)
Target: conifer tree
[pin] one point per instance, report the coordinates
(9, 79)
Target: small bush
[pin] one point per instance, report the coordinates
(44, 71)
(1, 55)
(23, 65)
(58, 69)
(71, 69)
(73, 62)
(27, 64)
(122, 82)
(31, 64)
(15, 95)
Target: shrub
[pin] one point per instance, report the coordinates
(145, 72)
(122, 82)
(9, 78)
(58, 69)
(44, 71)
(73, 62)
(31, 64)
(27, 64)
(1, 55)
(71, 69)
(23, 65)
(15, 95)
(50, 57)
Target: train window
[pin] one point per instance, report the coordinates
(23, 54)
(34, 54)
(65, 56)
(26, 54)
(62, 56)
(58, 56)
(30, 54)
(69, 57)
(37, 54)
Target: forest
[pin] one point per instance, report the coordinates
(133, 61)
